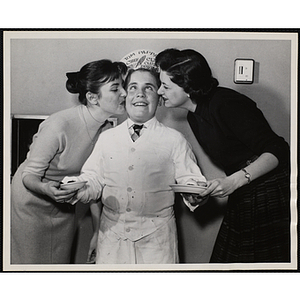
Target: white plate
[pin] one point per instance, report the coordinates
(185, 188)
(73, 185)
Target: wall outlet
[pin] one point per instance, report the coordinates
(243, 70)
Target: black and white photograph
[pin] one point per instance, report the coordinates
(140, 150)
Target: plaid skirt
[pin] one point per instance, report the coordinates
(256, 225)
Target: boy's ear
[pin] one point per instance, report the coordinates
(92, 98)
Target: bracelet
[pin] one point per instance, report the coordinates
(247, 175)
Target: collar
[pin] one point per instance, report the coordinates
(146, 124)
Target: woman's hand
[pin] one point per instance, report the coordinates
(195, 199)
(92, 250)
(52, 190)
(221, 187)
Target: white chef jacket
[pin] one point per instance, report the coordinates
(133, 178)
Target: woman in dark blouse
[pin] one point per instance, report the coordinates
(236, 136)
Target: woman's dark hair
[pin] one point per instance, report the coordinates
(189, 70)
(92, 76)
(149, 70)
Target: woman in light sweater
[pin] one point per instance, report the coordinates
(42, 222)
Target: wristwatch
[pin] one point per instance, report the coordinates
(247, 175)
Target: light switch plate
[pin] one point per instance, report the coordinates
(243, 70)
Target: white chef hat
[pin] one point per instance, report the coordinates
(140, 59)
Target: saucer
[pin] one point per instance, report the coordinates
(185, 188)
(73, 185)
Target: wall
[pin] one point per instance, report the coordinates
(39, 65)
(38, 68)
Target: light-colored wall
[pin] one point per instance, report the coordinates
(38, 68)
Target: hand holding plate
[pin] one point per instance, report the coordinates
(192, 193)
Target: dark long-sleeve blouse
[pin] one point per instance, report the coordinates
(231, 130)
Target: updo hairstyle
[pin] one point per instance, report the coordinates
(189, 70)
(92, 76)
